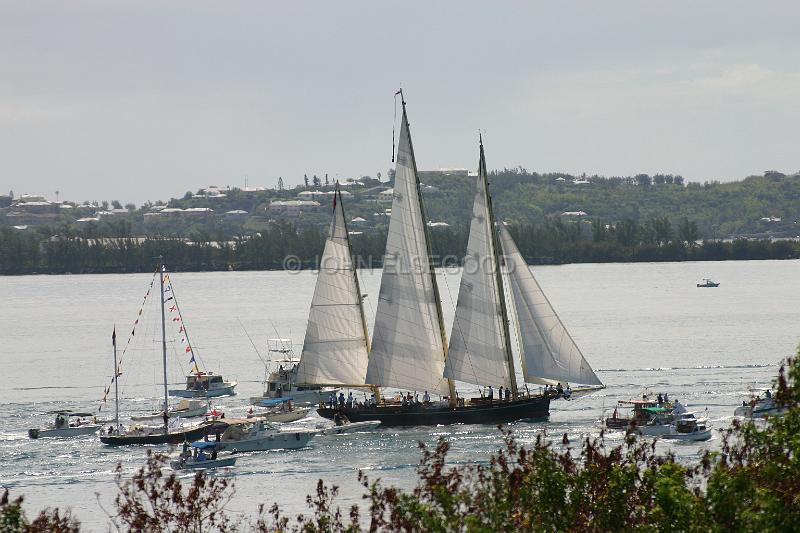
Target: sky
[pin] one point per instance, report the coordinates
(136, 101)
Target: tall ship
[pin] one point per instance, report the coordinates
(410, 351)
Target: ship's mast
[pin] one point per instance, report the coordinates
(161, 270)
(116, 380)
(512, 376)
(450, 383)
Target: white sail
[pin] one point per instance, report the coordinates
(546, 348)
(408, 342)
(477, 352)
(335, 350)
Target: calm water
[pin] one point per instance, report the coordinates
(639, 325)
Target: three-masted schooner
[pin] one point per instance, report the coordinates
(409, 349)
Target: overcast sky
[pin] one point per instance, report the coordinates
(145, 100)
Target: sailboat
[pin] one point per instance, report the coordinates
(409, 346)
(140, 434)
(336, 346)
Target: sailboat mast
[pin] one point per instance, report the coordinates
(116, 379)
(450, 383)
(355, 274)
(512, 376)
(164, 342)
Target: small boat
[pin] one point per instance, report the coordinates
(643, 413)
(689, 428)
(343, 425)
(279, 410)
(205, 385)
(254, 434)
(759, 407)
(62, 428)
(200, 460)
(185, 409)
(282, 381)
(708, 283)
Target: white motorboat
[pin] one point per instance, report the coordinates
(205, 385)
(759, 407)
(342, 426)
(282, 381)
(62, 428)
(253, 434)
(689, 428)
(185, 409)
(204, 458)
(279, 410)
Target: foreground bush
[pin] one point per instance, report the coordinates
(752, 484)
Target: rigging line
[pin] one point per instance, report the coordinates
(251, 341)
(195, 355)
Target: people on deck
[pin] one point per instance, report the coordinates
(567, 392)
(659, 399)
(331, 400)
(768, 394)
(490, 395)
(508, 394)
(559, 389)
(350, 400)
(341, 400)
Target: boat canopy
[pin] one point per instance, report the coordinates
(204, 445)
(69, 413)
(655, 410)
(273, 401)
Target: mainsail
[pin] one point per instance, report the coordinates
(336, 347)
(408, 342)
(478, 347)
(546, 348)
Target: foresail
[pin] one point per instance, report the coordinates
(547, 350)
(407, 341)
(335, 346)
(477, 352)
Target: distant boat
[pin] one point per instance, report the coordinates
(62, 428)
(759, 407)
(186, 461)
(708, 283)
(204, 385)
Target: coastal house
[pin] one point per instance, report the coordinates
(292, 208)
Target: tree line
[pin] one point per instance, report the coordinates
(554, 241)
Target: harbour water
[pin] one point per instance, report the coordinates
(639, 325)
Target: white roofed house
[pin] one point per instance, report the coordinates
(32, 210)
(292, 208)
(386, 196)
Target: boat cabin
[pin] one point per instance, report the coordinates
(203, 381)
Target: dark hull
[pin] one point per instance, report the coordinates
(176, 437)
(536, 408)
